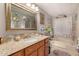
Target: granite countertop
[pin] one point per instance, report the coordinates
(14, 46)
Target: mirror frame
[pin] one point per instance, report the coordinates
(42, 18)
(8, 15)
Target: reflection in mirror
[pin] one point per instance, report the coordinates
(21, 18)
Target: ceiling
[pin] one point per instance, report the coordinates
(55, 9)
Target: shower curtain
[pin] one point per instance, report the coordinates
(62, 27)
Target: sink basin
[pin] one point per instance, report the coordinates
(27, 38)
(33, 38)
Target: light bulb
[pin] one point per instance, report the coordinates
(33, 6)
(28, 4)
(37, 9)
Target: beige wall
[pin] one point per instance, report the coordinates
(2, 19)
(77, 30)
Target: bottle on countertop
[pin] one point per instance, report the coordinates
(42, 29)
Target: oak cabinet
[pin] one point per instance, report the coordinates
(41, 48)
(31, 50)
(33, 53)
(37, 49)
(46, 51)
(41, 51)
(19, 53)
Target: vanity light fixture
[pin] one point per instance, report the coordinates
(33, 6)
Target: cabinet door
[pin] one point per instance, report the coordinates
(33, 53)
(41, 51)
(19, 53)
(46, 49)
(30, 50)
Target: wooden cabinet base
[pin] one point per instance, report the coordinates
(19, 53)
(41, 51)
(46, 50)
(33, 53)
(38, 49)
(46, 47)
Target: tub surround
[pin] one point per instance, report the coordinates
(14, 46)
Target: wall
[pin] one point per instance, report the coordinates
(47, 20)
(74, 23)
(77, 25)
(2, 19)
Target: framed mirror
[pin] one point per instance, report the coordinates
(19, 18)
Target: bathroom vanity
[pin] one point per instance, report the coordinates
(26, 47)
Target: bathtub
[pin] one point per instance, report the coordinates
(64, 45)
